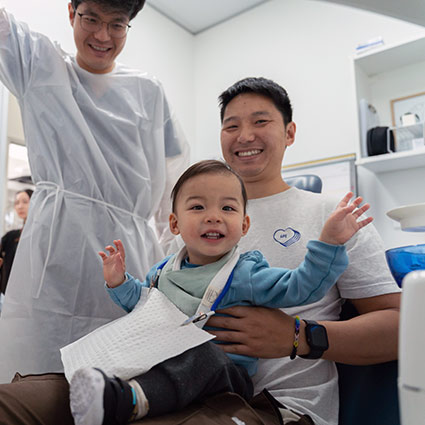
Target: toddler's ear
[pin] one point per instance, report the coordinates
(245, 225)
(173, 222)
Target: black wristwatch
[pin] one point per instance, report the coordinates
(317, 339)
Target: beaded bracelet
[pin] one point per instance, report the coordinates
(296, 337)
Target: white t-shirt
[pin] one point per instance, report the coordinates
(281, 226)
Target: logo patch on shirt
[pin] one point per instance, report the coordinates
(286, 237)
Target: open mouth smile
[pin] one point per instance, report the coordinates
(247, 154)
(100, 49)
(212, 235)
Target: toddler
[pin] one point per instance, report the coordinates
(209, 212)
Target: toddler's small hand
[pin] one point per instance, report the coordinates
(114, 264)
(343, 223)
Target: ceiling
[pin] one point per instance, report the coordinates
(407, 10)
(198, 15)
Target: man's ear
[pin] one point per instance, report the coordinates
(71, 13)
(290, 130)
(174, 226)
(245, 225)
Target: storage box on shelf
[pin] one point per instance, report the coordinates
(407, 137)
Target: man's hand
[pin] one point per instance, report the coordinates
(114, 264)
(255, 331)
(343, 223)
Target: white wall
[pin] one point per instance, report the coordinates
(303, 45)
(394, 84)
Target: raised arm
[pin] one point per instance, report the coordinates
(123, 289)
(18, 47)
(321, 268)
(344, 223)
(114, 264)
(280, 287)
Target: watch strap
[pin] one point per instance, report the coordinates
(315, 352)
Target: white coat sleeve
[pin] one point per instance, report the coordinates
(18, 53)
(177, 160)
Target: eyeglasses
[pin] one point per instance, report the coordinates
(92, 24)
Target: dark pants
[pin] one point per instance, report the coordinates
(193, 376)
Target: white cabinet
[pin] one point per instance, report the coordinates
(394, 179)
(381, 76)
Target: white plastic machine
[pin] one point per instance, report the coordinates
(411, 380)
(411, 369)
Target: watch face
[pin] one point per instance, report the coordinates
(319, 337)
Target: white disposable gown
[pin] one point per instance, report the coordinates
(101, 149)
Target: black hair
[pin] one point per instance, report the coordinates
(29, 192)
(129, 7)
(208, 166)
(261, 86)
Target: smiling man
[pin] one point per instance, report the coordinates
(257, 128)
(99, 34)
(101, 139)
(254, 137)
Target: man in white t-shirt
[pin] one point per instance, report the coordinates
(257, 128)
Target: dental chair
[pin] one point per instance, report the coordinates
(368, 395)
(309, 182)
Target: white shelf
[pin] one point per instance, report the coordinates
(394, 161)
(387, 58)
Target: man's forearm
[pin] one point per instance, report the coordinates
(366, 339)
(371, 337)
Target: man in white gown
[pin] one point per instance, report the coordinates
(104, 151)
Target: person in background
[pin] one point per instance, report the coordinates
(104, 150)
(9, 242)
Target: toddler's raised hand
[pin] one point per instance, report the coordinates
(114, 264)
(343, 223)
